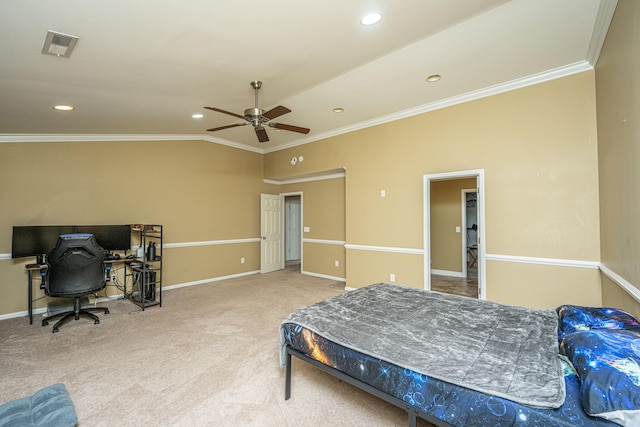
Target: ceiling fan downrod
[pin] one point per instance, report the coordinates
(254, 115)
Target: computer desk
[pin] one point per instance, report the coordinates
(30, 269)
(40, 267)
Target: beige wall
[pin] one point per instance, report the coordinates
(537, 146)
(615, 296)
(323, 212)
(618, 95)
(542, 286)
(197, 190)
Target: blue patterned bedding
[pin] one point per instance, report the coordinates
(603, 345)
(453, 404)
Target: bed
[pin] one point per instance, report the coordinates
(473, 363)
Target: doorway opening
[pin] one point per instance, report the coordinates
(470, 236)
(458, 273)
(293, 231)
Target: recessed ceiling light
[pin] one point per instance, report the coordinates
(197, 116)
(434, 78)
(338, 110)
(371, 18)
(64, 107)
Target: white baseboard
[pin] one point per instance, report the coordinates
(22, 313)
(214, 279)
(324, 276)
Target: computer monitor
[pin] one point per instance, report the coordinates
(36, 240)
(110, 237)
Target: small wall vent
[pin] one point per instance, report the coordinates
(59, 44)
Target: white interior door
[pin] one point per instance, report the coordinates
(271, 233)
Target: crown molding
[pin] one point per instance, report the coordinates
(605, 12)
(556, 73)
(94, 137)
(603, 20)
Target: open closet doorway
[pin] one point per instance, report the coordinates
(446, 251)
(470, 237)
(293, 231)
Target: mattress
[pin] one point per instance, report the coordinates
(453, 404)
(497, 349)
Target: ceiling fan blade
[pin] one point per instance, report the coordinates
(292, 128)
(261, 134)
(226, 127)
(225, 112)
(276, 112)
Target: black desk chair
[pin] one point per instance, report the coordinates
(75, 269)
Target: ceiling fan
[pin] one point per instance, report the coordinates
(258, 117)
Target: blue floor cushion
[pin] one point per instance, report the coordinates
(50, 406)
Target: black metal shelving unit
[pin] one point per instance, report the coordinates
(146, 270)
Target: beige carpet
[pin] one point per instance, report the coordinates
(207, 357)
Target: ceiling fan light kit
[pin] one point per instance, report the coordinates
(257, 117)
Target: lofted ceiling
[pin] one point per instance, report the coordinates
(141, 69)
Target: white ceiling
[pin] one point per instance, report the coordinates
(142, 68)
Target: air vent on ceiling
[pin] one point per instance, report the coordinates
(59, 44)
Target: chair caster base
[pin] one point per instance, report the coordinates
(76, 314)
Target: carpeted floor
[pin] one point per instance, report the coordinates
(207, 357)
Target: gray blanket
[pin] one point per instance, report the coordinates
(502, 350)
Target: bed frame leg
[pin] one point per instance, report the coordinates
(287, 384)
(413, 421)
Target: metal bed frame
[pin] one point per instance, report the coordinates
(413, 413)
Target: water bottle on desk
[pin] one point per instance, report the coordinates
(151, 251)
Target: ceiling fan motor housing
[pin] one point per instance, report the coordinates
(254, 115)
